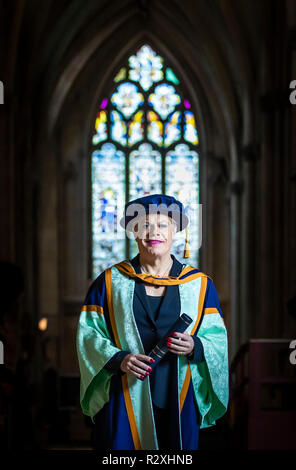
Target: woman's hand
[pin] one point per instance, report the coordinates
(135, 364)
(180, 346)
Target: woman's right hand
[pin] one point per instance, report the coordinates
(135, 364)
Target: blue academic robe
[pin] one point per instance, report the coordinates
(152, 331)
(112, 427)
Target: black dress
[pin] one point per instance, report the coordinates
(159, 402)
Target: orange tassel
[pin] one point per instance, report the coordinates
(187, 246)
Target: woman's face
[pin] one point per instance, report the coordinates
(154, 234)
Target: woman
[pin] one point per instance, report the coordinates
(127, 310)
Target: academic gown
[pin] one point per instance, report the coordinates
(162, 378)
(152, 330)
(112, 429)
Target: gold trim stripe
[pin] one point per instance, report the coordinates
(157, 280)
(185, 387)
(203, 288)
(160, 349)
(92, 308)
(157, 354)
(126, 393)
(211, 310)
(130, 412)
(108, 280)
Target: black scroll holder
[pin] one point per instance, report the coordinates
(160, 349)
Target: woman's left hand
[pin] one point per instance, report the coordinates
(184, 345)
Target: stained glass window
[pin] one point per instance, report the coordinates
(145, 141)
(190, 133)
(182, 176)
(145, 171)
(172, 132)
(155, 128)
(101, 128)
(118, 128)
(136, 129)
(108, 193)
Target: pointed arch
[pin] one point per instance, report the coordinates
(145, 140)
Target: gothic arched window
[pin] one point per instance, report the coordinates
(145, 142)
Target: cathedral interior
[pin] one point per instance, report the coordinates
(233, 63)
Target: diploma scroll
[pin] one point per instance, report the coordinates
(160, 350)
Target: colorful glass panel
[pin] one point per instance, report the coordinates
(155, 128)
(118, 128)
(190, 132)
(145, 177)
(172, 132)
(100, 127)
(164, 99)
(187, 105)
(145, 171)
(146, 67)
(136, 129)
(104, 103)
(121, 75)
(171, 77)
(182, 182)
(127, 98)
(108, 195)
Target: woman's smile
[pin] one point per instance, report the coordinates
(154, 242)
